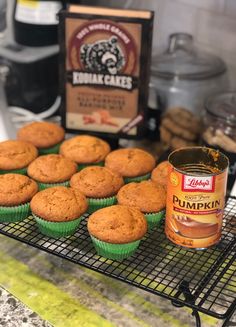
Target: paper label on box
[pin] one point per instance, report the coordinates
(102, 74)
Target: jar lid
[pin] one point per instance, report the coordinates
(181, 60)
(222, 105)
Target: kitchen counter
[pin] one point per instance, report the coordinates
(39, 289)
(15, 313)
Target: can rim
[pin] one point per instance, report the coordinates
(199, 147)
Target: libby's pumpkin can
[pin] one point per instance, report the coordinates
(196, 190)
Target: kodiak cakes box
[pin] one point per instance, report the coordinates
(104, 67)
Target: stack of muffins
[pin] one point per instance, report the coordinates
(59, 180)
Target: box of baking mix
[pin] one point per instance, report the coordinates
(104, 70)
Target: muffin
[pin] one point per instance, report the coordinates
(159, 174)
(116, 231)
(133, 164)
(58, 210)
(45, 136)
(16, 191)
(85, 150)
(99, 184)
(51, 170)
(149, 198)
(15, 156)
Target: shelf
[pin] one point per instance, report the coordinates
(202, 280)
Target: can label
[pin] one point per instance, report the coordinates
(194, 210)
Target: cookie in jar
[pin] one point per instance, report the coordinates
(179, 128)
(220, 128)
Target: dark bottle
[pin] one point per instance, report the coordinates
(35, 22)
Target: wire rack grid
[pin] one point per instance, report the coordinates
(202, 280)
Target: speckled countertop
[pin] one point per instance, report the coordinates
(14, 313)
(39, 289)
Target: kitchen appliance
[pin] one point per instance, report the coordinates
(35, 22)
(32, 80)
(184, 76)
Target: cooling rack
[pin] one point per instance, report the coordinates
(202, 280)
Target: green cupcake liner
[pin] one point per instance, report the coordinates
(95, 204)
(154, 219)
(57, 229)
(137, 178)
(51, 150)
(114, 251)
(43, 186)
(15, 213)
(22, 171)
(82, 166)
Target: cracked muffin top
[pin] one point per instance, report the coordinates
(131, 162)
(16, 189)
(97, 182)
(41, 134)
(59, 204)
(117, 224)
(16, 154)
(160, 173)
(145, 195)
(85, 149)
(52, 168)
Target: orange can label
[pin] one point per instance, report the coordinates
(194, 209)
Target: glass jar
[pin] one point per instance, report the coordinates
(184, 76)
(220, 128)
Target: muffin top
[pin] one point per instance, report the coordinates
(41, 134)
(59, 204)
(130, 162)
(117, 224)
(145, 195)
(16, 189)
(160, 173)
(16, 154)
(51, 168)
(97, 182)
(85, 149)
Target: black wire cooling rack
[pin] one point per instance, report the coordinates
(202, 280)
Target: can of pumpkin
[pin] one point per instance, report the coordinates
(196, 190)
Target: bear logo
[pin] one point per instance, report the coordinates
(104, 56)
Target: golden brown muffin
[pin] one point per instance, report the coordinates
(159, 174)
(144, 195)
(41, 134)
(59, 204)
(97, 182)
(16, 154)
(16, 189)
(130, 162)
(52, 168)
(117, 224)
(85, 149)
